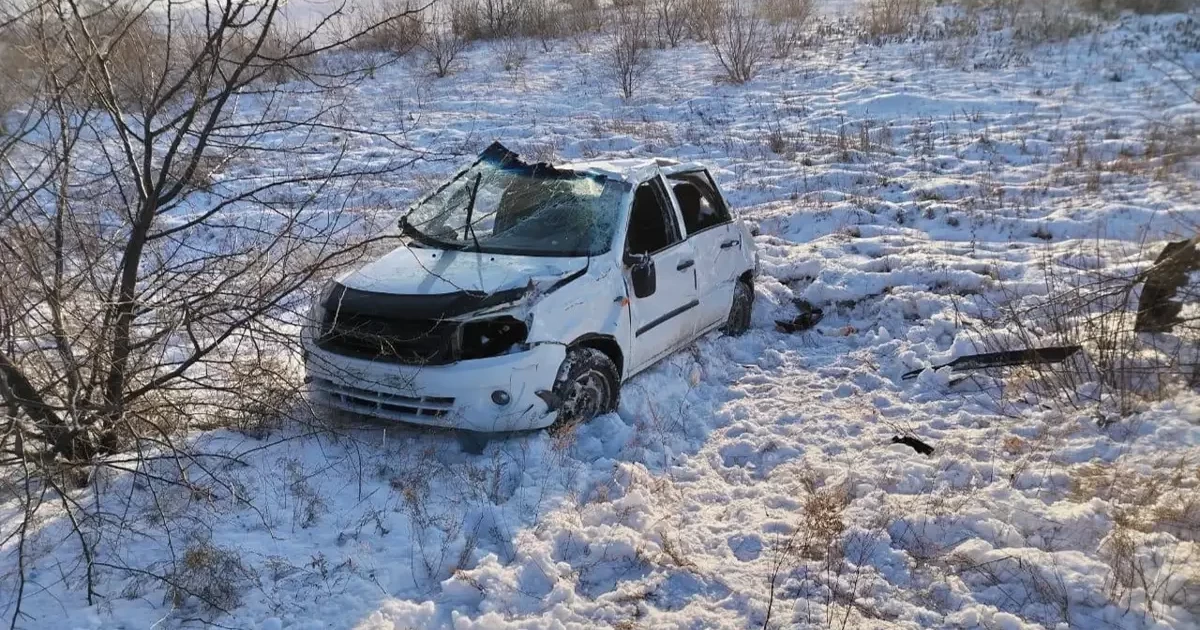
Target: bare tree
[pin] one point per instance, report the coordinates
(443, 50)
(629, 53)
(739, 40)
(176, 182)
(671, 21)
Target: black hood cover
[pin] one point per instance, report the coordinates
(409, 307)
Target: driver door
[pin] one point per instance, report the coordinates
(666, 319)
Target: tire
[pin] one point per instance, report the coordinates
(741, 310)
(587, 385)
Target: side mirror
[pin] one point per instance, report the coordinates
(645, 282)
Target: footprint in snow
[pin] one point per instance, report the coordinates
(745, 547)
(738, 454)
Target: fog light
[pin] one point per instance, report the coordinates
(500, 397)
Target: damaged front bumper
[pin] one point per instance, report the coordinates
(493, 394)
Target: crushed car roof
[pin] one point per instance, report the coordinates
(633, 170)
(630, 169)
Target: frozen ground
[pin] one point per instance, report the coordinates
(899, 187)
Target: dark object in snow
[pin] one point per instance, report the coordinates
(809, 316)
(914, 443)
(1053, 354)
(472, 443)
(1156, 312)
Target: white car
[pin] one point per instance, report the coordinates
(525, 294)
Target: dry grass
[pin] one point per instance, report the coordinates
(885, 20)
(213, 575)
(787, 21)
(1165, 498)
(513, 52)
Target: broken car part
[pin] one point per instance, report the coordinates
(808, 317)
(1157, 312)
(914, 443)
(1056, 354)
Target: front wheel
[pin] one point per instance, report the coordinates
(587, 386)
(741, 310)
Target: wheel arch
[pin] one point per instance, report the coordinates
(606, 344)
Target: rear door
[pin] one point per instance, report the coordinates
(714, 238)
(665, 319)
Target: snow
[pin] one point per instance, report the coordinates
(676, 511)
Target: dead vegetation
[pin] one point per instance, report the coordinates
(787, 24)
(401, 29)
(208, 575)
(114, 346)
(629, 54)
(443, 46)
(739, 40)
(1122, 368)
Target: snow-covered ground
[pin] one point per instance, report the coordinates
(901, 188)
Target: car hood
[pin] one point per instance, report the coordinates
(416, 283)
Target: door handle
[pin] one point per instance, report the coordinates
(685, 264)
(731, 243)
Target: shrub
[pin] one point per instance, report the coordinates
(739, 41)
(443, 49)
(400, 27)
(488, 19)
(630, 54)
(466, 21)
(214, 575)
(670, 21)
(1053, 22)
(581, 21)
(786, 20)
(886, 19)
(544, 21)
(703, 18)
(513, 52)
(503, 18)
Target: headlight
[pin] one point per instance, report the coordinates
(490, 337)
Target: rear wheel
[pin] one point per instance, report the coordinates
(741, 310)
(587, 386)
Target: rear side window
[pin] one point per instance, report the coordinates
(651, 225)
(699, 202)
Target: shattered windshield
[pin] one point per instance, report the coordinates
(506, 206)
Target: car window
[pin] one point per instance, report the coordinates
(699, 202)
(652, 224)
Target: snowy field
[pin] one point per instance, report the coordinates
(752, 482)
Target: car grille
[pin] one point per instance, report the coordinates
(413, 408)
(417, 342)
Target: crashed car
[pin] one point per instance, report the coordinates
(525, 294)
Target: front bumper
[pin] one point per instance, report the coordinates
(457, 396)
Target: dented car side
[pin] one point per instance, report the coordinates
(471, 327)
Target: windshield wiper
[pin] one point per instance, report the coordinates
(411, 231)
(471, 210)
